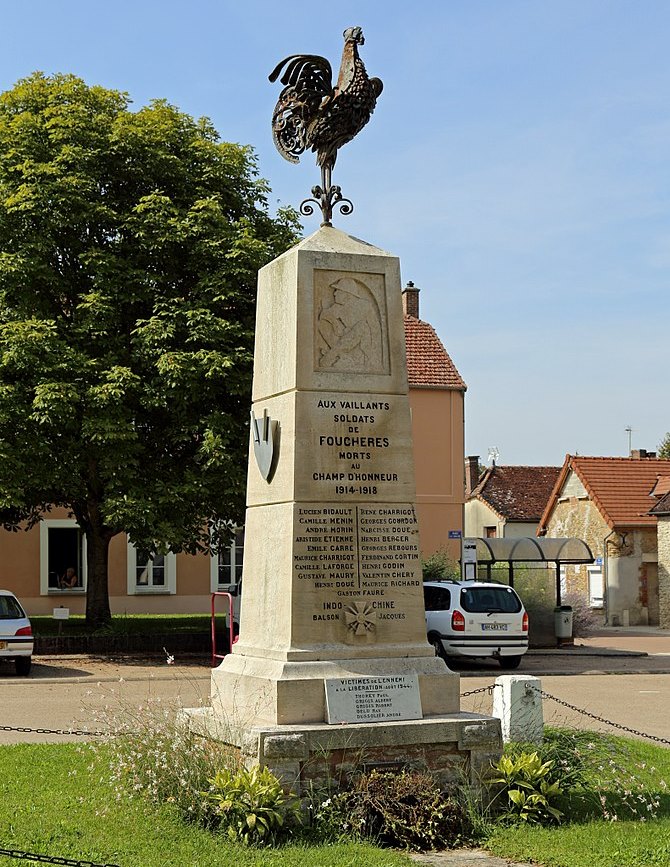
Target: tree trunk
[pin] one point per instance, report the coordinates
(98, 612)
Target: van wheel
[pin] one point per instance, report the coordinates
(436, 644)
(23, 665)
(509, 661)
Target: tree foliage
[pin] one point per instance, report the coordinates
(663, 450)
(129, 246)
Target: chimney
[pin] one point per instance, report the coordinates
(471, 473)
(641, 454)
(410, 300)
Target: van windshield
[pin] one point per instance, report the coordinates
(482, 600)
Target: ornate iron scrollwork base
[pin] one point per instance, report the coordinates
(326, 196)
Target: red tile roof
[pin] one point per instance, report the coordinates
(517, 493)
(661, 486)
(619, 487)
(428, 363)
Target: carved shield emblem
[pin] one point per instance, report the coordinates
(265, 433)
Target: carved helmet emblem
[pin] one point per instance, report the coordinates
(265, 434)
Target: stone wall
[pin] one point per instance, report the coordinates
(630, 595)
(663, 532)
(581, 519)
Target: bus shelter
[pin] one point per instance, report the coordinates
(540, 550)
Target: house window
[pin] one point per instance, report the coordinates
(157, 574)
(596, 586)
(227, 564)
(490, 532)
(62, 557)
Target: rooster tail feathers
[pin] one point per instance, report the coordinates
(308, 71)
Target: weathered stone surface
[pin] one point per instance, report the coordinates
(663, 531)
(485, 732)
(286, 746)
(334, 753)
(517, 703)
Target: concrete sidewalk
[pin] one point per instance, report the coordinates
(465, 858)
(640, 639)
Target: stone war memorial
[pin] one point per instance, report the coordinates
(333, 670)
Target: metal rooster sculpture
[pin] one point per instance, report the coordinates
(312, 114)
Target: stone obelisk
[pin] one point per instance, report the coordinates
(332, 583)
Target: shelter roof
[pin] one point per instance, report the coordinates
(619, 487)
(516, 493)
(533, 550)
(428, 362)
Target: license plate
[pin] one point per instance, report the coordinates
(494, 627)
(3, 645)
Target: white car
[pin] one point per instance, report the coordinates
(16, 634)
(471, 618)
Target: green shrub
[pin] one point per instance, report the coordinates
(530, 792)
(405, 810)
(584, 618)
(439, 566)
(251, 806)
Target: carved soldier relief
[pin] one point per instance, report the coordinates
(350, 322)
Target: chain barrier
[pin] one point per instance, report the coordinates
(25, 729)
(50, 859)
(488, 689)
(586, 713)
(601, 719)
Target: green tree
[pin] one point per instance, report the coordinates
(129, 246)
(663, 451)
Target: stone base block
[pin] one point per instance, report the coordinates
(249, 691)
(457, 749)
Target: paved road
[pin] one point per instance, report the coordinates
(621, 684)
(91, 694)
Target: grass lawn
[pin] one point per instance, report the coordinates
(57, 801)
(599, 843)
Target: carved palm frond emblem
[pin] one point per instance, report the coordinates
(360, 618)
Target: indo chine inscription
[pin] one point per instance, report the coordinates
(350, 329)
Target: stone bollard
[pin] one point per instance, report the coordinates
(517, 703)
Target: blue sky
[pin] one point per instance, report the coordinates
(517, 163)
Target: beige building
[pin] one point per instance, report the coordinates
(35, 563)
(436, 398)
(661, 511)
(607, 502)
(506, 501)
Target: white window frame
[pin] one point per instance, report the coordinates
(59, 524)
(593, 571)
(167, 589)
(214, 567)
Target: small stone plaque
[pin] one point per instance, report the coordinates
(373, 699)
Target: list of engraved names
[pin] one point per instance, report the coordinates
(347, 551)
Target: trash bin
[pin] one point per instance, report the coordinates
(563, 621)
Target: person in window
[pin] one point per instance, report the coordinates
(69, 579)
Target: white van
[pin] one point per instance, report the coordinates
(471, 619)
